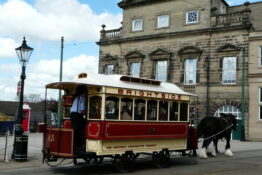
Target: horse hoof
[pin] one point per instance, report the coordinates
(229, 153)
(203, 154)
(213, 153)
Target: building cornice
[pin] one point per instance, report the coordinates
(156, 36)
(255, 75)
(130, 3)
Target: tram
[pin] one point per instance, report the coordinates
(126, 117)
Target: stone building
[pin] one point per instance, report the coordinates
(200, 45)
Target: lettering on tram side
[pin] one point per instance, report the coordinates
(149, 94)
(131, 146)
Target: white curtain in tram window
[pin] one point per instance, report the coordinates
(109, 69)
(190, 71)
(229, 70)
(161, 70)
(135, 69)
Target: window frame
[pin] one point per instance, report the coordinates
(187, 15)
(185, 71)
(259, 104)
(106, 68)
(130, 69)
(89, 107)
(223, 67)
(259, 114)
(121, 107)
(118, 107)
(156, 70)
(222, 109)
(260, 55)
(133, 24)
(158, 21)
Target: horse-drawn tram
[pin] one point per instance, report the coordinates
(126, 117)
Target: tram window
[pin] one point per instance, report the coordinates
(151, 110)
(163, 111)
(126, 109)
(140, 109)
(112, 108)
(174, 111)
(95, 107)
(183, 111)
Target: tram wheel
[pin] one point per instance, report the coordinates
(125, 163)
(161, 159)
(98, 160)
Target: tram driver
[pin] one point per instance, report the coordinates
(77, 112)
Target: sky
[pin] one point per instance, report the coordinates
(43, 23)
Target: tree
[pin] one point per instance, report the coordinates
(32, 98)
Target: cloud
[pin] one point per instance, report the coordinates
(49, 20)
(43, 72)
(7, 46)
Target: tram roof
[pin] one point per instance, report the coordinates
(119, 81)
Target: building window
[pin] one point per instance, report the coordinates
(229, 70)
(163, 21)
(192, 17)
(109, 69)
(260, 95)
(260, 103)
(135, 69)
(260, 55)
(161, 70)
(137, 24)
(190, 71)
(228, 109)
(260, 112)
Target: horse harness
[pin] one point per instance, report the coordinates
(229, 126)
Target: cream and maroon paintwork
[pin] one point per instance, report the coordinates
(59, 141)
(106, 137)
(117, 137)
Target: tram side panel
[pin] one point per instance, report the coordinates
(59, 142)
(112, 137)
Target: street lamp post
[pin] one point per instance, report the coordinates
(20, 143)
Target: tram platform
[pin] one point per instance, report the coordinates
(35, 154)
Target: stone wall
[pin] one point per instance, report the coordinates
(212, 47)
(255, 82)
(176, 9)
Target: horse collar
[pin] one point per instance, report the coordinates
(228, 121)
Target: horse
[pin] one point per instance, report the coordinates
(215, 128)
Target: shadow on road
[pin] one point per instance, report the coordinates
(142, 164)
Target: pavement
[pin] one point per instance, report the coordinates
(35, 141)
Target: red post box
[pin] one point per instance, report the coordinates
(26, 117)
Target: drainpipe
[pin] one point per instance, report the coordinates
(208, 85)
(243, 99)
